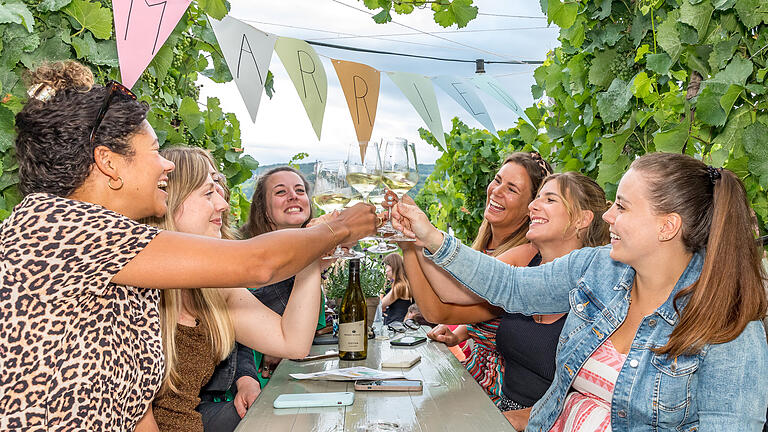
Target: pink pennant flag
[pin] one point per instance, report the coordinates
(141, 28)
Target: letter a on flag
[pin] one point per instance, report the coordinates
(308, 76)
(141, 28)
(493, 87)
(360, 84)
(464, 94)
(248, 52)
(420, 93)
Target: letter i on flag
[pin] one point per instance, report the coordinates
(141, 28)
(360, 84)
(493, 87)
(420, 93)
(464, 94)
(248, 52)
(308, 76)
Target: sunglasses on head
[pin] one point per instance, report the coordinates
(114, 89)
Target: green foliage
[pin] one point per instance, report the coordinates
(446, 12)
(82, 30)
(686, 76)
(373, 279)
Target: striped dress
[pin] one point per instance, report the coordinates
(484, 362)
(588, 408)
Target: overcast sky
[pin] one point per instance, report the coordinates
(282, 129)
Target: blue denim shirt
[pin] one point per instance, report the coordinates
(722, 388)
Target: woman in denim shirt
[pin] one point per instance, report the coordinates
(678, 293)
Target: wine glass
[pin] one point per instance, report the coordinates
(332, 193)
(363, 167)
(376, 198)
(399, 173)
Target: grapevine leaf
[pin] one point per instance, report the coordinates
(659, 63)
(734, 128)
(403, 8)
(190, 113)
(562, 14)
(91, 16)
(105, 54)
(84, 45)
(708, 108)
(220, 72)
(612, 172)
(640, 26)
(668, 37)
(7, 131)
(641, 52)
(51, 49)
(723, 51)
(696, 16)
(371, 4)
(216, 9)
(613, 33)
(461, 12)
(575, 33)
(750, 13)
(384, 17)
(737, 72)
(605, 10)
(162, 61)
(756, 145)
(578, 74)
(613, 145)
(729, 98)
(614, 102)
(757, 89)
(17, 13)
(600, 72)
(672, 140)
(723, 4)
(52, 5)
(641, 85)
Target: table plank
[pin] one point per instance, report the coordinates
(451, 399)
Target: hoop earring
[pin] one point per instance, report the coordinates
(109, 183)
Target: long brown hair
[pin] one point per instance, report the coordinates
(715, 217)
(581, 193)
(401, 289)
(205, 304)
(537, 170)
(259, 221)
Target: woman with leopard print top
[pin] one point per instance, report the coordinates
(80, 347)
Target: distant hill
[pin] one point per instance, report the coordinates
(308, 169)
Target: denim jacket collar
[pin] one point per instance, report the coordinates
(689, 276)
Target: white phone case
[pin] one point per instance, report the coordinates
(303, 400)
(401, 361)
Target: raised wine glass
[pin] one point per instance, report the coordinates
(376, 198)
(363, 167)
(332, 192)
(399, 173)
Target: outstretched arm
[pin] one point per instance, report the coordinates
(178, 260)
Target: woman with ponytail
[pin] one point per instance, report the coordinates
(663, 331)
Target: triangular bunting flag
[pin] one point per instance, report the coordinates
(493, 87)
(248, 52)
(360, 84)
(141, 28)
(464, 94)
(308, 76)
(420, 93)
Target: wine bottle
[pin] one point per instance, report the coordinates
(353, 334)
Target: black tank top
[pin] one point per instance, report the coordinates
(528, 349)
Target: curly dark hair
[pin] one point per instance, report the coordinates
(53, 148)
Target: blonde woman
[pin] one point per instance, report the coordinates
(201, 325)
(396, 301)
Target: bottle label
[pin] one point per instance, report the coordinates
(352, 336)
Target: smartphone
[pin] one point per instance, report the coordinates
(389, 385)
(305, 400)
(329, 354)
(408, 341)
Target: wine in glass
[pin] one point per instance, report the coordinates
(363, 167)
(399, 173)
(332, 193)
(376, 198)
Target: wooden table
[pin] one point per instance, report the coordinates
(451, 399)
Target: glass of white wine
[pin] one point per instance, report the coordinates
(399, 173)
(376, 198)
(363, 167)
(332, 193)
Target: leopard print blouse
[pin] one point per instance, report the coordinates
(76, 351)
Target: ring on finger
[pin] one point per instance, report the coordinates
(379, 221)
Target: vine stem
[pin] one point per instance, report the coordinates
(653, 30)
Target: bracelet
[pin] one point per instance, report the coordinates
(333, 233)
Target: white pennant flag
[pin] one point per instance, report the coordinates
(420, 93)
(464, 94)
(248, 52)
(494, 88)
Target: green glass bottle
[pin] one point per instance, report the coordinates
(353, 334)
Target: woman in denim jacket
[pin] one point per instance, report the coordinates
(678, 295)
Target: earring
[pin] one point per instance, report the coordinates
(109, 183)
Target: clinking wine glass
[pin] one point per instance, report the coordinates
(377, 198)
(363, 167)
(399, 173)
(333, 193)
